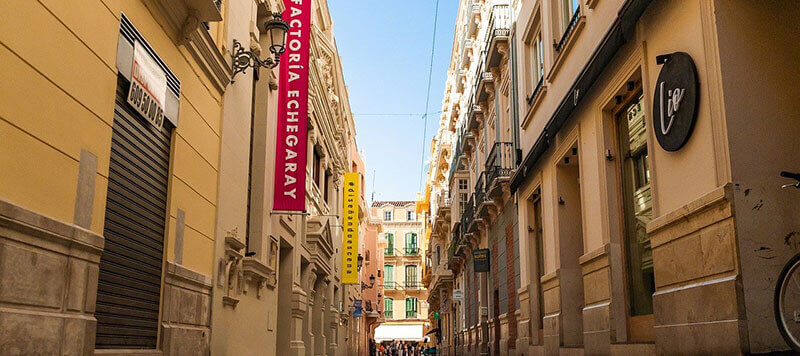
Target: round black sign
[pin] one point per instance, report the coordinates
(675, 100)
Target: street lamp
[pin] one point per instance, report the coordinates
(364, 286)
(360, 262)
(275, 29)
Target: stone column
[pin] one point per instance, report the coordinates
(297, 346)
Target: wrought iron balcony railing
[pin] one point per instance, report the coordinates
(411, 314)
(500, 162)
(469, 213)
(499, 22)
(413, 285)
(411, 251)
(480, 189)
(570, 28)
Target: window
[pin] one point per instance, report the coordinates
(535, 65)
(411, 244)
(317, 167)
(411, 216)
(326, 186)
(568, 9)
(388, 276)
(462, 202)
(388, 307)
(411, 307)
(389, 251)
(387, 215)
(462, 184)
(411, 277)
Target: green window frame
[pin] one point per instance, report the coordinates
(389, 245)
(411, 307)
(388, 307)
(388, 276)
(412, 247)
(411, 276)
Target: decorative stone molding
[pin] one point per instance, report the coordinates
(230, 275)
(258, 273)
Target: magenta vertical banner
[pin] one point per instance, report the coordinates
(291, 147)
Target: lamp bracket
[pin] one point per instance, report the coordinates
(247, 59)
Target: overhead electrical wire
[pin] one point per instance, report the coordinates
(428, 96)
(395, 114)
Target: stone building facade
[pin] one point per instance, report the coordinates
(121, 234)
(630, 234)
(403, 248)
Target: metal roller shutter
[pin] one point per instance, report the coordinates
(129, 287)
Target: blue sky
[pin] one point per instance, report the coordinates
(385, 47)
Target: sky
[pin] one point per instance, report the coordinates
(385, 46)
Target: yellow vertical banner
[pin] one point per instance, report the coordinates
(350, 226)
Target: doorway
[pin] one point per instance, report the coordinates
(634, 171)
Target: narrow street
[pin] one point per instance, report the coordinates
(399, 178)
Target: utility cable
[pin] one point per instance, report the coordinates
(428, 95)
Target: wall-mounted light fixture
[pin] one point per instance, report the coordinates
(359, 262)
(364, 286)
(275, 29)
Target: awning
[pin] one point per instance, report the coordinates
(404, 332)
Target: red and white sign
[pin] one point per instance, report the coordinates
(292, 137)
(148, 92)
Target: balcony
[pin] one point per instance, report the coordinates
(411, 314)
(413, 285)
(475, 118)
(466, 49)
(483, 203)
(499, 30)
(500, 166)
(391, 252)
(485, 85)
(468, 218)
(411, 251)
(391, 286)
(474, 15)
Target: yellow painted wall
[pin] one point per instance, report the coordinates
(57, 91)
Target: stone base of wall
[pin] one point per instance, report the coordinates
(695, 262)
(48, 284)
(185, 326)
